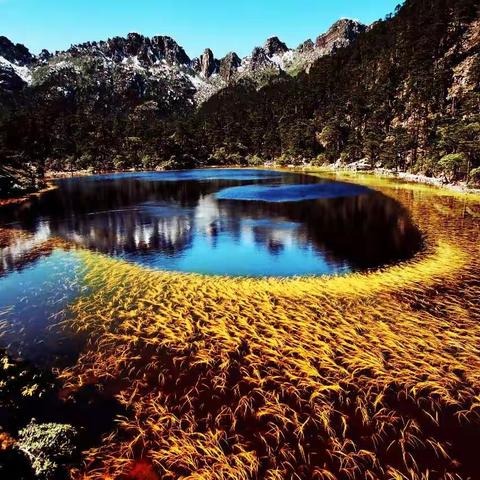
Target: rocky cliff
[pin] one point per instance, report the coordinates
(159, 69)
(15, 63)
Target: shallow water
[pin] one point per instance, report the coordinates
(383, 362)
(219, 356)
(237, 222)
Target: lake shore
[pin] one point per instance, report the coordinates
(460, 187)
(16, 200)
(404, 177)
(274, 351)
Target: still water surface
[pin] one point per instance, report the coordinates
(240, 222)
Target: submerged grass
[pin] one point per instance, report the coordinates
(367, 376)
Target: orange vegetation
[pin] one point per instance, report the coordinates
(367, 376)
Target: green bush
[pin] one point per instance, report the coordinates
(425, 166)
(474, 176)
(320, 160)
(452, 166)
(85, 161)
(254, 160)
(119, 162)
(148, 162)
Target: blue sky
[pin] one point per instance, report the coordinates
(221, 25)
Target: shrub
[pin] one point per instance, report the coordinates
(320, 160)
(148, 162)
(452, 166)
(254, 160)
(85, 161)
(119, 162)
(47, 446)
(218, 157)
(425, 166)
(474, 176)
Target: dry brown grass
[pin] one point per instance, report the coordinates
(368, 376)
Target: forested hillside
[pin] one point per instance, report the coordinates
(405, 94)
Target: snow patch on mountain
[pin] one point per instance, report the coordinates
(22, 71)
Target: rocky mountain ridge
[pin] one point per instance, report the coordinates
(160, 69)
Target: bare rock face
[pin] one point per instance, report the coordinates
(260, 60)
(341, 34)
(171, 50)
(306, 46)
(9, 80)
(229, 66)
(274, 46)
(15, 59)
(148, 51)
(44, 56)
(158, 69)
(208, 64)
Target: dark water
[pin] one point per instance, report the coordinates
(227, 222)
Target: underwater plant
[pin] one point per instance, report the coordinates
(371, 375)
(47, 446)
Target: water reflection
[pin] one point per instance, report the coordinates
(182, 221)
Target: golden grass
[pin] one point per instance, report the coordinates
(367, 376)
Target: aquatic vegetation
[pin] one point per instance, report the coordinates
(22, 388)
(47, 445)
(371, 375)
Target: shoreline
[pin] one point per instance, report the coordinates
(460, 187)
(17, 200)
(403, 177)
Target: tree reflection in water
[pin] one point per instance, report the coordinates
(175, 221)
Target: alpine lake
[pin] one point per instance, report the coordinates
(225, 222)
(197, 324)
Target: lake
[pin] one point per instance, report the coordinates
(236, 222)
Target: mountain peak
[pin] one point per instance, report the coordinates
(340, 34)
(208, 64)
(274, 46)
(306, 46)
(15, 53)
(147, 50)
(160, 59)
(229, 65)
